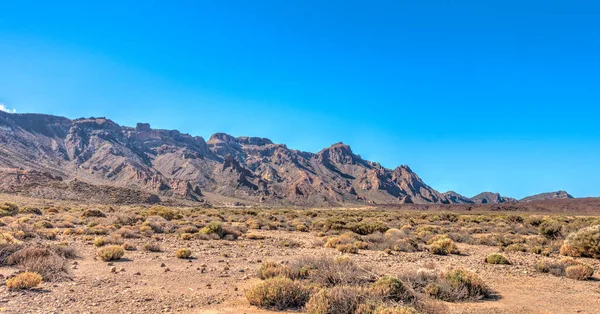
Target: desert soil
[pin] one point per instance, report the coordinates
(215, 280)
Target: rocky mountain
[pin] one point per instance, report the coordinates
(57, 157)
(547, 196)
(491, 198)
(456, 198)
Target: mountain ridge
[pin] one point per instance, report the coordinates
(42, 151)
(169, 163)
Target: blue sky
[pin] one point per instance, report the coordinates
(473, 95)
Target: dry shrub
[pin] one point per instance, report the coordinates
(497, 258)
(271, 269)
(42, 260)
(337, 300)
(30, 210)
(347, 248)
(583, 243)
(93, 213)
(254, 236)
(346, 238)
(25, 280)
(451, 286)
(390, 288)
(395, 310)
(550, 229)
(152, 247)
(278, 293)
(111, 253)
(330, 272)
(579, 272)
(551, 267)
(164, 212)
(8, 209)
(213, 227)
(183, 253)
(444, 246)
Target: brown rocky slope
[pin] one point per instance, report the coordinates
(151, 164)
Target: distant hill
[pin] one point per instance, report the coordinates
(547, 196)
(456, 198)
(491, 198)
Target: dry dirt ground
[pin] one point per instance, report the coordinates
(214, 281)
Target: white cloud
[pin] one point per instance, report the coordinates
(3, 108)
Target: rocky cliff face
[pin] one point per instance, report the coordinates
(547, 196)
(98, 151)
(491, 198)
(456, 198)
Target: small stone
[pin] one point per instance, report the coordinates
(203, 266)
(167, 269)
(163, 265)
(122, 269)
(110, 264)
(138, 273)
(113, 269)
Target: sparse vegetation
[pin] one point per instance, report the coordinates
(183, 253)
(278, 293)
(25, 280)
(111, 253)
(585, 242)
(497, 258)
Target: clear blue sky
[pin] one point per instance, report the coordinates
(473, 95)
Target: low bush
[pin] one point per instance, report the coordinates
(152, 247)
(183, 253)
(26, 280)
(93, 213)
(579, 272)
(583, 243)
(393, 289)
(8, 209)
(278, 293)
(336, 300)
(111, 253)
(444, 246)
(271, 269)
(550, 229)
(497, 258)
(42, 260)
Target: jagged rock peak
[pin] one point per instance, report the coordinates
(547, 196)
(243, 140)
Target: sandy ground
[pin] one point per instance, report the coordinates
(215, 280)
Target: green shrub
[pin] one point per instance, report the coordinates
(278, 293)
(213, 227)
(497, 258)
